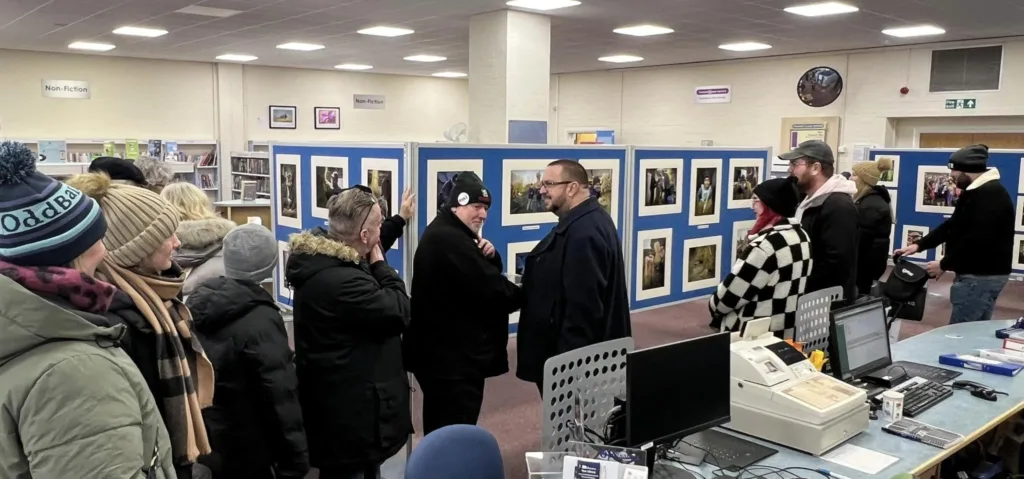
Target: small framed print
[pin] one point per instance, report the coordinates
(889, 178)
(282, 117)
(744, 175)
(1019, 219)
(911, 234)
(327, 118)
(1018, 252)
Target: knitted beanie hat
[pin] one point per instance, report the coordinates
(870, 172)
(250, 253)
(43, 222)
(468, 188)
(970, 159)
(139, 221)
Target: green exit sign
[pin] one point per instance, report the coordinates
(964, 103)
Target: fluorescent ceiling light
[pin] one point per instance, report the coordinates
(208, 11)
(95, 47)
(450, 75)
(353, 66)
(744, 47)
(425, 58)
(621, 59)
(302, 47)
(821, 9)
(542, 5)
(234, 57)
(918, 31)
(140, 32)
(386, 31)
(643, 30)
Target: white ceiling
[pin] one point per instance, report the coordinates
(579, 34)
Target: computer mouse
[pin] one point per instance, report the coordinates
(986, 394)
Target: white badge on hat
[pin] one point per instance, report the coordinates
(463, 198)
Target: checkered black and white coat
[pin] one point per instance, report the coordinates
(768, 278)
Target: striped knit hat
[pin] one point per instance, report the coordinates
(43, 222)
(139, 221)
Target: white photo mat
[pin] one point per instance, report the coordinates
(919, 205)
(384, 164)
(612, 165)
(892, 204)
(510, 266)
(1020, 179)
(283, 161)
(711, 282)
(1018, 221)
(509, 219)
(446, 166)
(316, 162)
(695, 183)
(1018, 243)
(892, 238)
(907, 229)
(666, 289)
(895, 171)
(739, 229)
(680, 185)
(743, 163)
(282, 266)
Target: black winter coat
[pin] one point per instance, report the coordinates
(832, 227)
(255, 423)
(460, 305)
(574, 285)
(349, 318)
(874, 218)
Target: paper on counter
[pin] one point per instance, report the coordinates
(859, 458)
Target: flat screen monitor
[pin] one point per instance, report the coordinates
(859, 342)
(676, 390)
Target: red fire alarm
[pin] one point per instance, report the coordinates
(904, 91)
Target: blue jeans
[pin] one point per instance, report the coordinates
(974, 297)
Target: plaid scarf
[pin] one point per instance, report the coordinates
(186, 375)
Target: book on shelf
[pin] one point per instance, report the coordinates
(250, 166)
(131, 149)
(248, 190)
(207, 181)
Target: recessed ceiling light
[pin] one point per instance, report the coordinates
(821, 9)
(140, 32)
(425, 58)
(542, 5)
(95, 47)
(302, 47)
(208, 11)
(234, 57)
(918, 31)
(643, 30)
(386, 31)
(744, 47)
(621, 59)
(353, 66)
(450, 75)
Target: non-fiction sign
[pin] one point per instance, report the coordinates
(66, 89)
(713, 94)
(368, 102)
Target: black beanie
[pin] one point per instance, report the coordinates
(970, 159)
(118, 169)
(468, 188)
(779, 194)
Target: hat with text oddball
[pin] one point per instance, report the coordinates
(43, 222)
(250, 253)
(467, 189)
(970, 159)
(816, 150)
(780, 195)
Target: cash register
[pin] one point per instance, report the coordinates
(778, 395)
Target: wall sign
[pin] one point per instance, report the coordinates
(368, 102)
(66, 89)
(713, 94)
(965, 103)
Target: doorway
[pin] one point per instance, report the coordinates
(1007, 141)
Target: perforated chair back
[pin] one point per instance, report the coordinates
(596, 374)
(812, 318)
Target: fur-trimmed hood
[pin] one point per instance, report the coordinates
(313, 251)
(198, 234)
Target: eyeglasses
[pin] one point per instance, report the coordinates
(549, 184)
(367, 190)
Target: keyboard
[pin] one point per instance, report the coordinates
(727, 451)
(920, 394)
(923, 433)
(931, 373)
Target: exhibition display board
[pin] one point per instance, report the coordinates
(304, 176)
(923, 195)
(691, 214)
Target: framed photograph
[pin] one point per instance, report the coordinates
(890, 178)
(330, 176)
(1020, 180)
(1018, 252)
(282, 265)
(520, 183)
(515, 259)
(440, 174)
(327, 118)
(289, 191)
(604, 184)
(705, 189)
(381, 176)
(654, 263)
(702, 260)
(282, 117)
(936, 190)
(740, 230)
(744, 175)
(1019, 219)
(910, 236)
(658, 193)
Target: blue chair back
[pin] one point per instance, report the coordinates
(456, 452)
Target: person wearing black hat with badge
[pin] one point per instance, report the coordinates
(461, 301)
(772, 269)
(119, 170)
(828, 215)
(978, 237)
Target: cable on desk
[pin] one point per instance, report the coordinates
(905, 372)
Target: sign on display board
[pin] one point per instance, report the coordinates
(66, 89)
(368, 102)
(713, 94)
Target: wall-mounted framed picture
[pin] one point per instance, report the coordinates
(327, 118)
(912, 234)
(282, 117)
(936, 190)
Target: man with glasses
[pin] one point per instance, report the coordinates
(350, 309)
(828, 215)
(574, 280)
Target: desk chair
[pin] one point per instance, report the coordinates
(456, 451)
(811, 327)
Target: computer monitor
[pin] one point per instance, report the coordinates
(676, 390)
(859, 342)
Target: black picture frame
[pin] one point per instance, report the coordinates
(282, 125)
(316, 118)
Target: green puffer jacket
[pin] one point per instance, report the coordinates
(72, 404)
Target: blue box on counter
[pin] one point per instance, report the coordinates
(976, 363)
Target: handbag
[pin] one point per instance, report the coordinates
(906, 289)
